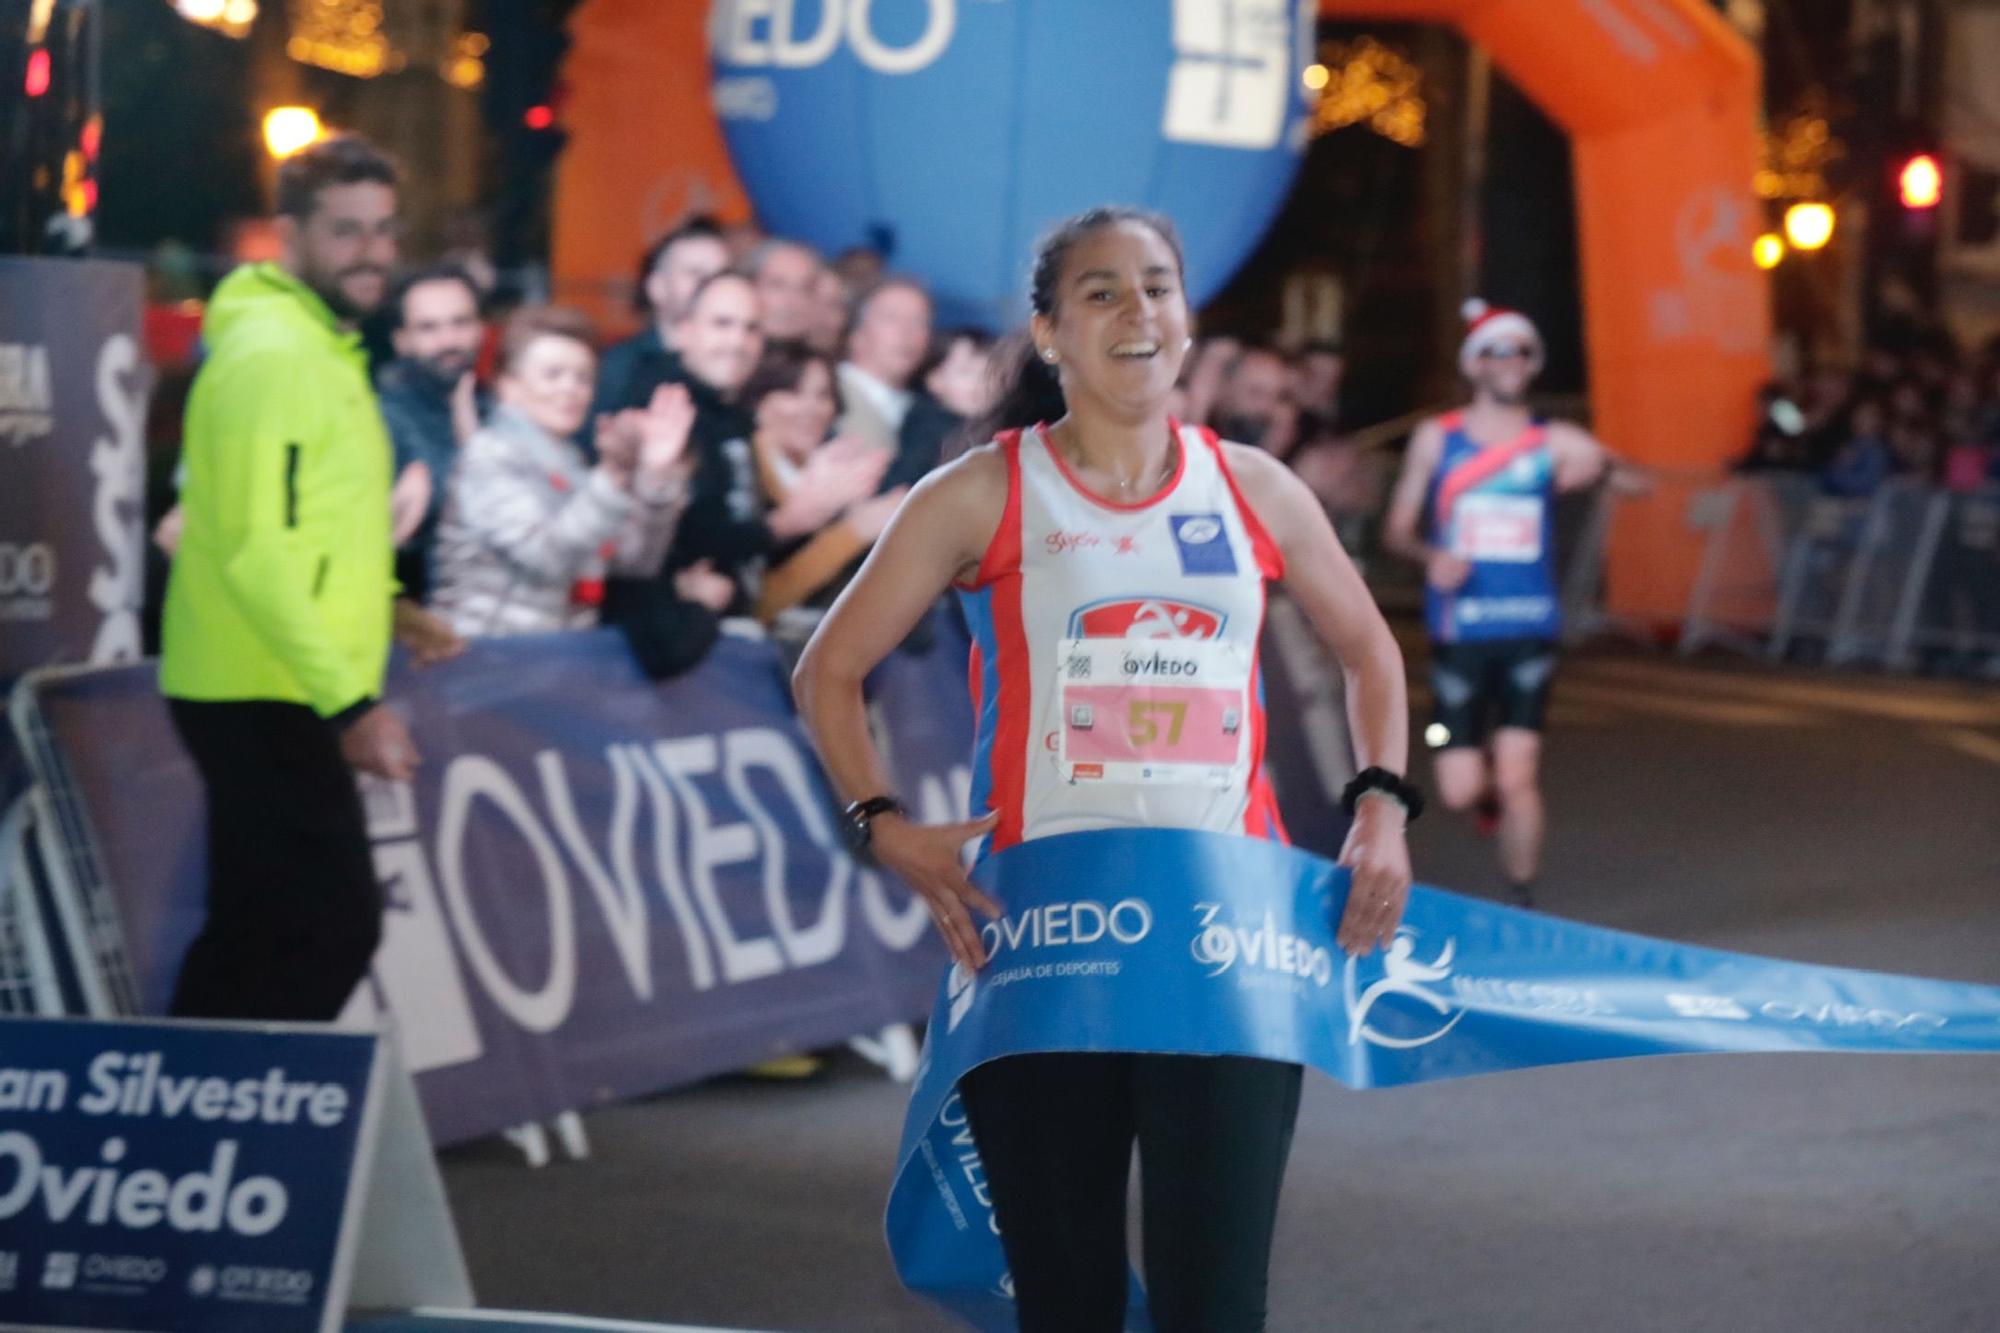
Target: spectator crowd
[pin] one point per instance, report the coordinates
(1913, 406)
(371, 449)
(738, 455)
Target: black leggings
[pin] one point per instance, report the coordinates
(1055, 1135)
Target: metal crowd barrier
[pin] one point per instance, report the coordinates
(1584, 523)
(28, 979)
(1954, 609)
(63, 872)
(1898, 579)
(1741, 524)
(1907, 578)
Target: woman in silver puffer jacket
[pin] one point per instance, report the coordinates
(531, 527)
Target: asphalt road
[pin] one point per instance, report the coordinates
(1811, 816)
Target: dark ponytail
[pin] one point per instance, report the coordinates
(1029, 390)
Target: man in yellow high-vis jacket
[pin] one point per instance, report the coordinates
(278, 612)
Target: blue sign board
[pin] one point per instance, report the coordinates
(178, 1176)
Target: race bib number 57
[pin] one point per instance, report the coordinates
(1153, 711)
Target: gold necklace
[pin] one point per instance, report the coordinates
(1125, 486)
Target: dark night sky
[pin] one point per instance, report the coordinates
(180, 136)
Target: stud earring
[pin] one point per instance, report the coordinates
(1049, 355)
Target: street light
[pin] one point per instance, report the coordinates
(1768, 250)
(231, 18)
(287, 129)
(1809, 226)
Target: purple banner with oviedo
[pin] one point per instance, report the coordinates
(73, 391)
(599, 886)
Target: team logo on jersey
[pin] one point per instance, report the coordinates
(1146, 618)
(1203, 543)
(1062, 542)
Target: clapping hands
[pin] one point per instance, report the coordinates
(644, 448)
(838, 473)
(663, 430)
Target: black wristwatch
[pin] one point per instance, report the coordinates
(861, 818)
(1405, 794)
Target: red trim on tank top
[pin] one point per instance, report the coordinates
(1003, 553)
(1011, 734)
(1270, 560)
(1076, 482)
(1255, 816)
(1260, 809)
(1261, 818)
(999, 574)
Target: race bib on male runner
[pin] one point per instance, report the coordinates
(1158, 711)
(1498, 529)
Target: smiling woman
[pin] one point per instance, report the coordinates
(533, 528)
(1068, 540)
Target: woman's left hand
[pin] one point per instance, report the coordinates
(1379, 855)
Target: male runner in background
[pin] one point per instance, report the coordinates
(1475, 506)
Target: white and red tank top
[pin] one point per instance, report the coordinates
(1115, 681)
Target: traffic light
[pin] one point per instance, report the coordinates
(48, 183)
(35, 81)
(523, 97)
(1920, 183)
(1915, 188)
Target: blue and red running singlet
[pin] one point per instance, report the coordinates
(1493, 505)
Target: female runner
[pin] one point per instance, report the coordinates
(1115, 523)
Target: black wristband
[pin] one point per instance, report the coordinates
(1403, 793)
(861, 817)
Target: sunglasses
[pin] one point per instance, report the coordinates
(1507, 353)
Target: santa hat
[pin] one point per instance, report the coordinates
(1493, 326)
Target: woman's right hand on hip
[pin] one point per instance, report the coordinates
(927, 858)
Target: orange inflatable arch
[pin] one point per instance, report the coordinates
(1660, 98)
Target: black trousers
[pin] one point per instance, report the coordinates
(1055, 1135)
(294, 909)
